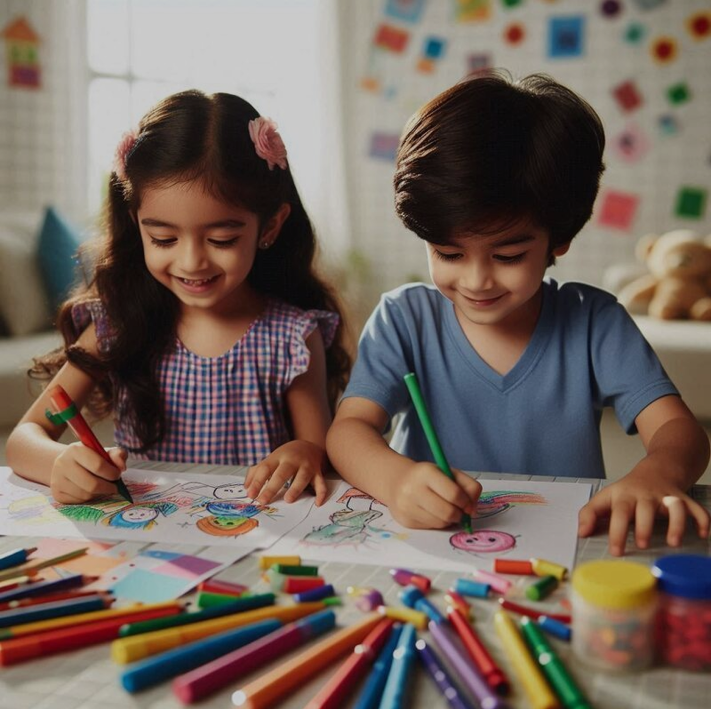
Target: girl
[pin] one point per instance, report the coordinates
(205, 328)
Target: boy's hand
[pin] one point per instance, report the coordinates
(79, 474)
(428, 499)
(298, 463)
(640, 497)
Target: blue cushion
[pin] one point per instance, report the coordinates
(56, 251)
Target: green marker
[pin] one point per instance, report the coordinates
(538, 590)
(418, 400)
(552, 667)
(291, 570)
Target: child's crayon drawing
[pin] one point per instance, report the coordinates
(171, 507)
(524, 518)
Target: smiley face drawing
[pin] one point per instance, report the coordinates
(483, 541)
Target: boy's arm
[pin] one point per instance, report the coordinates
(417, 494)
(677, 455)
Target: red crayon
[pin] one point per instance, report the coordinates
(532, 612)
(51, 642)
(493, 675)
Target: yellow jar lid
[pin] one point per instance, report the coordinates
(614, 584)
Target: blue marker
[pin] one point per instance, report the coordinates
(403, 657)
(187, 657)
(15, 557)
(372, 691)
(555, 627)
(412, 597)
(55, 609)
(471, 588)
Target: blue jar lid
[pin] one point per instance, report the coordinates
(686, 575)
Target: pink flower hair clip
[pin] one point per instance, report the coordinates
(125, 146)
(267, 142)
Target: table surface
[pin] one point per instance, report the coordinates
(87, 679)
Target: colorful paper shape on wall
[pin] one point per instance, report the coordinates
(472, 10)
(632, 144)
(610, 9)
(432, 51)
(514, 33)
(22, 54)
(405, 10)
(618, 210)
(627, 96)
(634, 33)
(691, 202)
(391, 38)
(566, 37)
(668, 124)
(699, 25)
(664, 50)
(679, 93)
(478, 62)
(384, 145)
(649, 4)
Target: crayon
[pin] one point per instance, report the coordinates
(331, 695)
(543, 567)
(405, 615)
(412, 597)
(225, 588)
(236, 606)
(136, 647)
(51, 642)
(15, 557)
(160, 668)
(46, 611)
(446, 641)
(553, 668)
(266, 562)
(207, 679)
(315, 594)
(534, 684)
(441, 677)
(32, 567)
(405, 577)
(70, 414)
(395, 691)
(493, 675)
(418, 400)
(532, 612)
(369, 697)
(542, 588)
(266, 690)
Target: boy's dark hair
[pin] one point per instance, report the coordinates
(490, 152)
(190, 136)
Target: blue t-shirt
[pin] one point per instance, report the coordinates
(543, 416)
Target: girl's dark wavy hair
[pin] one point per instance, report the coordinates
(490, 152)
(188, 136)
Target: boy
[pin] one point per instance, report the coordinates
(497, 178)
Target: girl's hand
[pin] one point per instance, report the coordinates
(298, 463)
(428, 499)
(79, 474)
(641, 497)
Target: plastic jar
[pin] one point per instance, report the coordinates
(614, 608)
(684, 628)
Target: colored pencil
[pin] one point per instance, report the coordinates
(369, 697)
(33, 567)
(46, 611)
(137, 647)
(441, 677)
(534, 683)
(396, 685)
(40, 588)
(47, 598)
(51, 642)
(332, 694)
(413, 386)
(532, 612)
(159, 668)
(15, 557)
(235, 606)
(266, 690)
(15, 582)
(205, 680)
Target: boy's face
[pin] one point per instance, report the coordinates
(493, 279)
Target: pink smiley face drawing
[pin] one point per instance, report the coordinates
(483, 541)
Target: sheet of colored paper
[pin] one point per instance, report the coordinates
(167, 507)
(515, 519)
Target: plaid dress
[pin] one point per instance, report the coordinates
(226, 410)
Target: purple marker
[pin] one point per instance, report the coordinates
(447, 643)
(370, 600)
(441, 677)
(405, 577)
(315, 594)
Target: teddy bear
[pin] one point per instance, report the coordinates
(678, 282)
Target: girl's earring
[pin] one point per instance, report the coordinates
(264, 245)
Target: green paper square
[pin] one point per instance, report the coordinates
(691, 202)
(635, 33)
(679, 93)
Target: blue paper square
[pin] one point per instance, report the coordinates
(56, 250)
(566, 36)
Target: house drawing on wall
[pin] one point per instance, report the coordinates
(22, 54)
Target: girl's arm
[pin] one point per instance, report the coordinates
(417, 494)
(677, 455)
(74, 472)
(299, 462)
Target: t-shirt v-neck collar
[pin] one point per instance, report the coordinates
(527, 360)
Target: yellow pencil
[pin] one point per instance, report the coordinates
(15, 631)
(540, 695)
(135, 647)
(264, 691)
